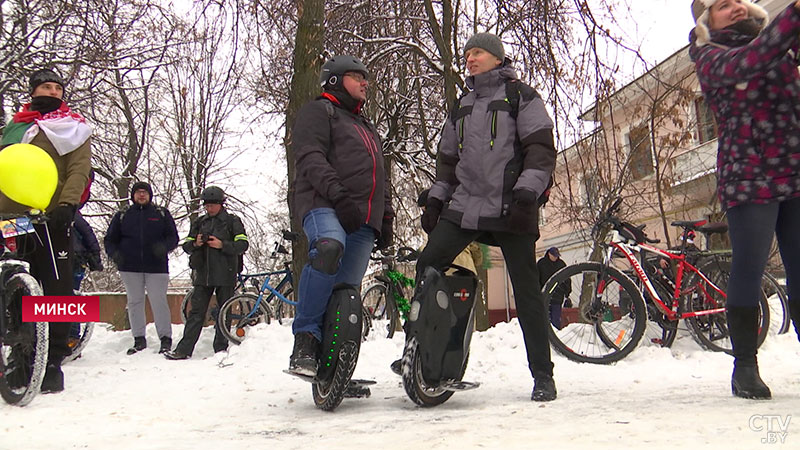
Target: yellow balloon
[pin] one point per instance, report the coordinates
(28, 175)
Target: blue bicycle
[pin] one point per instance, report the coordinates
(242, 311)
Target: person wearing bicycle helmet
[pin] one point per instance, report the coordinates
(48, 123)
(495, 160)
(341, 196)
(747, 69)
(215, 244)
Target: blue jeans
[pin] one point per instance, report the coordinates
(751, 228)
(315, 287)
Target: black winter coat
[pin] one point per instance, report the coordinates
(140, 238)
(337, 156)
(84, 241)
(546, 270)
(212, 266)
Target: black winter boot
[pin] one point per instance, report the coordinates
(544, 389)
(139, 344)
(166, 344)
(304, 355)
(743, 327)
(53, 380)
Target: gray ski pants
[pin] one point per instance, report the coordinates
(136, 283)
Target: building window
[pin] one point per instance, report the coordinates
(641, 152)
(706, 125)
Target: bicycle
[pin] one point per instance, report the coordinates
(23, 345)
(612, 313)
(245, 310)
(384, 301)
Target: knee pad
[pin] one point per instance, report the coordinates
(328, 255)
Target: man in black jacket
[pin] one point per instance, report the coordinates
(215, 242)
(549, 264)
(138, 240)
(341, 195)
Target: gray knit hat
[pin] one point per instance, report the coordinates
(488, 42)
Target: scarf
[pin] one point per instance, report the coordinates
(65, 129)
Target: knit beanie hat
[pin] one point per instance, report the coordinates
(141, 185)
(700, 12)
(44, 76)
(488, 42)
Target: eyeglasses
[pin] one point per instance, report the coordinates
(356, 76)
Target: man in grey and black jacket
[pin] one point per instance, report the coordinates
(495, 159)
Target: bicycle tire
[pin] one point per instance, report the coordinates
(780, 319)
(285, 310)
(617, 322)
(233, 313)
(660, 329)
(87, 328)
(710, 331)
(379, 306)
(186, 305)
(23, 346)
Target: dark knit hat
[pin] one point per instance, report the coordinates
(488, 42)
(554, 251)
(141, 185)
(44, 76)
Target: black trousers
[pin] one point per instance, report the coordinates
(194, 323)
(448, 240)
(56, 281)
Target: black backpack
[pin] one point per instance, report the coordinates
(514, 91)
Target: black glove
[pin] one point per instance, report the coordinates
(431, 215)
(95, 262)
(519, 215)
(62, 216)
(348, 214)
(386, 238)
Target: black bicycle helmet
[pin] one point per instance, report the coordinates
(213, 194)
(334, 69)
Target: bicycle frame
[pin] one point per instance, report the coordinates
(630, 250)
(273, 291)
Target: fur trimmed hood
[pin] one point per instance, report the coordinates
(700, 12)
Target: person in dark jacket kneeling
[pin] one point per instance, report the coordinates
(215, 242)
(341, 196)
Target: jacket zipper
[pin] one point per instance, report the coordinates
(370, 145)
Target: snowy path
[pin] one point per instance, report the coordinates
(655, 398)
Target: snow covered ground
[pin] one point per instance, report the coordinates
(655, 398)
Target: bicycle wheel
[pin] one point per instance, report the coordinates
(711, 330)
(23, 345)
(660, 331)
(234, 315)
(285, 310)
(779, 318)
(607, 325)
(86, 330)
(376, 302)
(186, 305)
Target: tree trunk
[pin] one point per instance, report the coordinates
(304, 87)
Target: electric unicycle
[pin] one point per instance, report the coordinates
(341, 341)
(439, 328)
